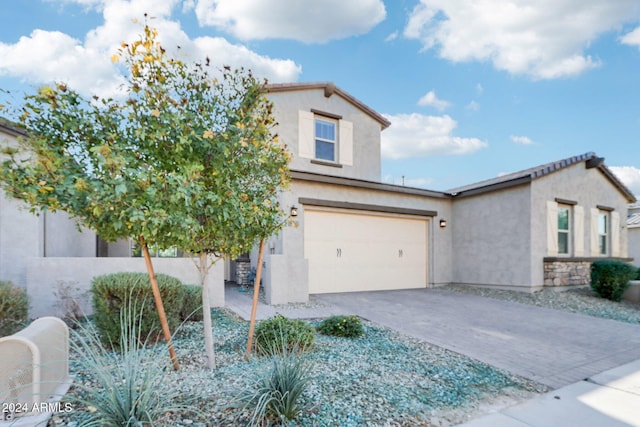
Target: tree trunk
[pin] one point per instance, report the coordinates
(256, 293)
(203, 268)
(159, 306)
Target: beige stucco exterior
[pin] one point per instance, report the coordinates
(498, 233)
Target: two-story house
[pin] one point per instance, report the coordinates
(350, 232)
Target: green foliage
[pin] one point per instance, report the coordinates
(275, 395)
(185, 159)
(342, 326)
(192, 307)
(281, 335)
(14, 308)
(113, 292)
(128, 388)
(637, 274)
(610, 278)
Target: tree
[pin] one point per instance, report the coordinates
(183, 160)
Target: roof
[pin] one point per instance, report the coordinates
(9, 127)
(528, 175)
(633, 221)
(329, 90)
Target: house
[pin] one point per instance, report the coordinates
(350, 232)
(633, 227)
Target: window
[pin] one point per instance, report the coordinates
(136, 251)
(603, 233)
(564, 230)
(325, 137)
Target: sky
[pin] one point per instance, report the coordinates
(473, 88)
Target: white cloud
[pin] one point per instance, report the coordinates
(541, 39)
(631, 38)
(473, 106)
(479, 89)
(307, 21)
(45, 56)
(391, 37)
(417, 135)
(407, 182)
(431, 100)
(630, 176)
(522, 140)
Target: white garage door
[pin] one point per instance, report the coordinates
(364, 251)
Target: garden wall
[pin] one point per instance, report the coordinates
(50, 279)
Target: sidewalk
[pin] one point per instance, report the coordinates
(240, 301)
(609, 399)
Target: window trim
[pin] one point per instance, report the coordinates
(607, 233)
(567, 231)
(335, 123)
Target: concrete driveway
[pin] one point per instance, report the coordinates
(552, 347)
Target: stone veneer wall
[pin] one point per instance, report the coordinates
(243, 269)
(569, 272)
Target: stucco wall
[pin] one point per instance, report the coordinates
(634, 245)
(492, 238)
(45, 276)
(586, 187)
(286, 269)
(366, 132)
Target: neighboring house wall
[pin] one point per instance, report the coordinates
(634, 245)
(62, 238)
(492, 238)
(357, 132)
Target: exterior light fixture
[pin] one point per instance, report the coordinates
(443, 223)
(294, 211)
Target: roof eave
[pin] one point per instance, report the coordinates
(329, 90)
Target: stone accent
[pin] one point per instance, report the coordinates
(243, 269)
(567, 273)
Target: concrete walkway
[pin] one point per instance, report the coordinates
(609, 399)
(592, 364)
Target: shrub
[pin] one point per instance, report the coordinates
(275, 396)
(14, 308)
(609, 278)
(192, 307)
(278, 335)
(342, 326)
(113, 292)
(638, 274)
(130, 388)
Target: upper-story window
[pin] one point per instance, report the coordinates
(564, 230)
(325, 139)
(603, 233)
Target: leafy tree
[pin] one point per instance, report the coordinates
(184, 160)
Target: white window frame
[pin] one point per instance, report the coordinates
(603, 236)
(566, 231)
(317, 138)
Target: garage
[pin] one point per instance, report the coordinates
(364, 251)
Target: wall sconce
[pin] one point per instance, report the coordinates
(443, 223)
(294, 211)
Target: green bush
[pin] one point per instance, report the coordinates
(14, 308)
(275, 395)
(609, 278)
(113, 292)
(638, 274)
(192, 308)
(342, 326)
(280, 335)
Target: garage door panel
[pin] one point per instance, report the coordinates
(355, 252)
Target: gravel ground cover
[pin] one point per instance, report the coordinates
(580, 300)
(381, 379)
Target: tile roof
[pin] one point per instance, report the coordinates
(528, 175)
(633, 221)
(330, 89)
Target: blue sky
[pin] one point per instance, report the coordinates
(473, 89)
